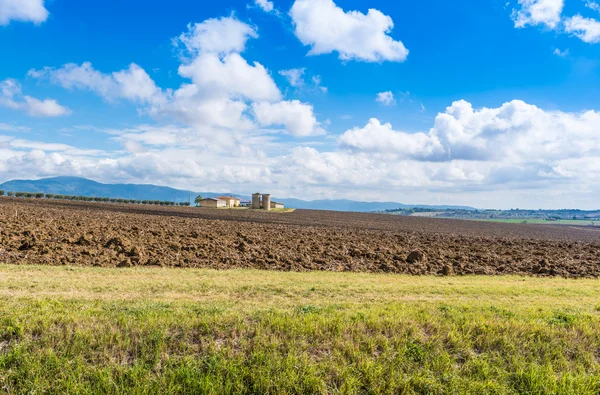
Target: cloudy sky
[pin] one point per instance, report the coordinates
(489, 103)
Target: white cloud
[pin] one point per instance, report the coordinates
(538, 12)
(231, 76)
(11, 96)
(516, 132)
(386, 98)
(560, 53)
(223, 104)
(6, 127)
(132, 83)
(22, 10)
(325, 27)
(586, 29)
(378, 138)
(220, 36)
(265, 5)
(592, 5)
(297, 117)
(294, 76)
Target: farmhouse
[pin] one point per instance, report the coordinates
(230, 201)
(276, 205)
(212, 202)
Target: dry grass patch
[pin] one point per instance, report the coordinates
(93, 330)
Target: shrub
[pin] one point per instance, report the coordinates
(11, 193)
(39, 195)
(1, 192)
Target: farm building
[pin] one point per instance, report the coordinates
(230, 201)
(213, 202)
(264, 202)
(276, 205)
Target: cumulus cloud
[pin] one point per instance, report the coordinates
(548, 13)
(225, 94)
(516, 131)
(386, 98)
(381, 138)
(327, 28)
(538, 12)
(501, 156)
(132, 83)
(586, 29)
(265, 5)
(297, 117)
(11, 96)
(231, 76)
(22, 10)
(221, 36)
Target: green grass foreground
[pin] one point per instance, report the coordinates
(91, 330)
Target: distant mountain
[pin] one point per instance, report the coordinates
(352, 205)
(85, 187)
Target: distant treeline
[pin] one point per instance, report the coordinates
(39, 195)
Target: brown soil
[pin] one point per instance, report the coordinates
(67, 233)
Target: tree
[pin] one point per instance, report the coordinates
(198, 200)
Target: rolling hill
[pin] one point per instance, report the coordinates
(85, 187)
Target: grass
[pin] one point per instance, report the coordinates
(93, 330)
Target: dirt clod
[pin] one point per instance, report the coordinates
(416, 256)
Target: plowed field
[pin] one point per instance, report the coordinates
(65, 233)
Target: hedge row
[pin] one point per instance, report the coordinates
(91, 199)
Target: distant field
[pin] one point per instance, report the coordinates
(154, 330)
(539, 221)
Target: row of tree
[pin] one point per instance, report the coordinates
(40, 195)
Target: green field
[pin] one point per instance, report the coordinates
(92, 330)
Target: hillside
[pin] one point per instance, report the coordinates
(85, 187)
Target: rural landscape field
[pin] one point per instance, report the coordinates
(110, 298)
(292, 197)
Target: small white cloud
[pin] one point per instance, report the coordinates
(44, 108)
(221, 36)
(11, 96)
(294, 76)
(592, 5)
(23, 11)
(560, 53)
(386, 98)
(538, 12)
(6, 127)
(327, 28)
(586, 29)
(265, 5)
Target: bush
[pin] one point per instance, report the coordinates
(39, 195)
(11, 193)
(1, 192)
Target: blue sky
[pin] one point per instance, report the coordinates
(492, 104)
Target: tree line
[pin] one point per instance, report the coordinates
(39, 195)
